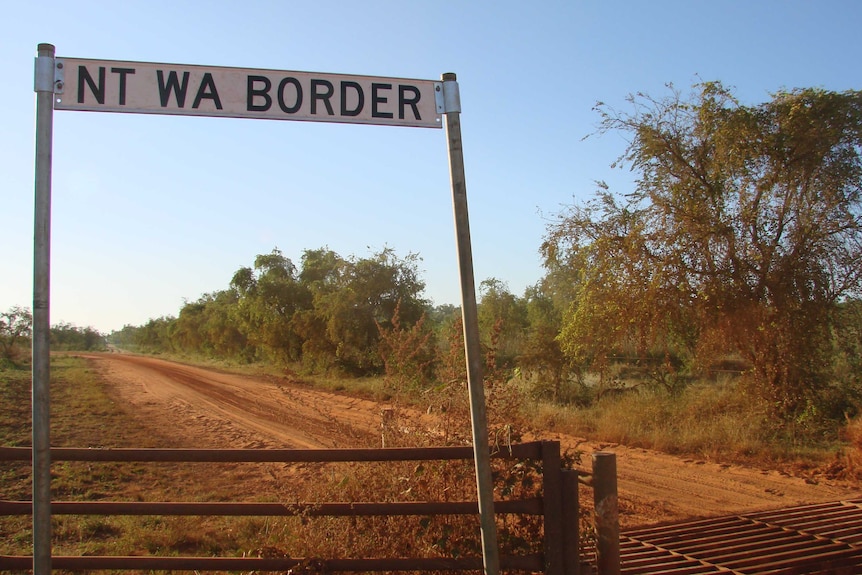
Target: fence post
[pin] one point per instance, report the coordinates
(607, 513)
(553, 503)
(571, 523)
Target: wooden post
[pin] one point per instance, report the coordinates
(571, 523)
(553, 504)
(607, 513)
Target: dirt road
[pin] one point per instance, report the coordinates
(209, 408)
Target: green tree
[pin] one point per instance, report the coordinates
(155, 335)
(361, 297)
(221, 327)
(321, 274)
(741, 235)
(125, 337)
(187, 334)
(16, 325)
(503, 318)
(541, 355)
(270, 295)
(211, 326)
(848, 347)
(67, 337)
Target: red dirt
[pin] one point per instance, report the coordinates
(210, 408)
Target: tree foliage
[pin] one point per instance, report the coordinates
(541, 354)
(16, 325)
(68, 337)
(363, 294)
(329, 314)
(741, 235)
(502, 315)
(268, 298)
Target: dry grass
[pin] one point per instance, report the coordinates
(84, 414)
(853, 435)
(713, 420)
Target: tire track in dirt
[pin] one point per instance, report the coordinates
(213, 408)
(216, 407)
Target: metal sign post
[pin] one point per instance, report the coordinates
(175, 89)
(473, 351)
(44, 87)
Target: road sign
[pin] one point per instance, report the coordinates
(176, 89)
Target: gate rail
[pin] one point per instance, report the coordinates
(558, 505)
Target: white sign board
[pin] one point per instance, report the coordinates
(149, 88)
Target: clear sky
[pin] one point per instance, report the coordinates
(149, 211)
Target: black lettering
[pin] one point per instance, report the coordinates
(297, 104)
(260, 93)
(376, 98)
(98, 90)
(122, 72)
(173, 84)
(360, 99)
(403, 100)
(325, 95)
(207, 90)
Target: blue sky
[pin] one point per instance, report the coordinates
(149, 211)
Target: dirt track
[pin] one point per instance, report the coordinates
(210, 408)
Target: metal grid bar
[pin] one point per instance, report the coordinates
(820, 538)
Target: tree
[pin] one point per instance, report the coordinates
(68, 337)
(187, 333)
(503, 316)
(16, 325)
(270, 295)
(320, 274)
(361, 297)
(222, 336)
(541, 353)
(847, 355)
(741, 235)
(154, 336)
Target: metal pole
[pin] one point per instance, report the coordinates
(478, 417)
(44, 88)
(607, 513)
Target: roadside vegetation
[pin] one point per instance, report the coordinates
(714, 309)
(16, 326)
